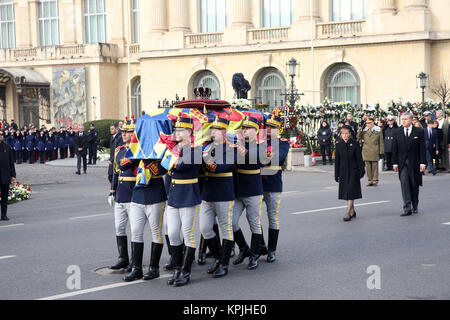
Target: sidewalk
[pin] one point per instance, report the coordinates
(72, 162)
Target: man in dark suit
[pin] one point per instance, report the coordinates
(7, 173)
(81, 147)
(92, 139)
(114, 142)
(408, 158)
(431, 145)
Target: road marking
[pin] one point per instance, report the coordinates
(91, 216)
(96, 289)
(7, 257)
(447, 223)
(12, 225)
(341, 207)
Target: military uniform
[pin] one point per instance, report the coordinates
(273, 183)
(218, 200)
(249, 194)
(148, 203)
(372, 149)
(124, 180)
(92, 138)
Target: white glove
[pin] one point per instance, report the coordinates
(111, 200)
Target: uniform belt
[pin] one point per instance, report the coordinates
(202, 175)
(156, 177)
(184, 181)
(219, 175)
(243, 171)
(273, 168)
(127, 178)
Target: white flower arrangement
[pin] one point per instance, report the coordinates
(103, 156)
(18, 192)
(241, 103)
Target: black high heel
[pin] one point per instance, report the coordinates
(354, 214)
(347, 219)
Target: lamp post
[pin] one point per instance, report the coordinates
(423, 77)
(292, 94)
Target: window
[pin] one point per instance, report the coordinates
(277, 13)
(136, 99)
(348, 10)
(271, 85)
(208, 79)
(94, 21)
(342, 84)
(48, 22)
(135, 21)
(7, 24)
(213, 15)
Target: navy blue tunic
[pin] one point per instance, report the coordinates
(154, 192)
(271, 176)
(124, 178)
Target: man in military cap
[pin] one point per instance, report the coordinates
(123, 182)
(388, 134)
(147, 204)
(373, 148)
(277, 151)
(183, 200)
(218, 196)
(93, 134)
(249, 191)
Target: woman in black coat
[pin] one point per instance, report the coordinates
(348, 170)
(324, 135)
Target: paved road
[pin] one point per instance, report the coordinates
(68, 222)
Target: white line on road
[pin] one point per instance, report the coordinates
(12, 225)
(7, 257)
(447, 223)
(341, 207)
(91, 216)
(96, 289)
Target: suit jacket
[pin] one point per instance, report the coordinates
(114, 142)
(7, 169)
(431, 140)
(81, 142)
(410, 148)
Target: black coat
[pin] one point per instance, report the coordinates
(7, 169)
(81, 142)
(349, 169)
(324, 133)
(411, 148)
(388, 134)
(114, 142)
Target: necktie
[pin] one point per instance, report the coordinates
(407, 134)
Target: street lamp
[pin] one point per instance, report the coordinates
(292, 94)
(423, 77)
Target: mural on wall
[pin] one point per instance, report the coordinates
(69, 96)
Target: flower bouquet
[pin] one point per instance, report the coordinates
(18, 192)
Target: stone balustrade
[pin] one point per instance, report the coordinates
(268, 35)
(203, 39)
(340, 29)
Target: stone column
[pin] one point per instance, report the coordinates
(156, 11)
(303, 10)
(241, 13)
(34, 27)
(383, 6)
(179, 15)
(23, 24)
(382, 17)
(67, 25)
(416, 4)
(116, 24)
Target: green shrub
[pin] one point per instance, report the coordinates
(102, 127)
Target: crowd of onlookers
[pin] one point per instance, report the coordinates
(436, 135)
(32, 144)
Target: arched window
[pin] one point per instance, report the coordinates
(213, 15)
(342, 84)
(277, 13)
(136, 99)
(270, 86)
(208, 79)
(342, 10)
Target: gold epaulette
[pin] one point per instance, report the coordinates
(119, 147)
(124, 161)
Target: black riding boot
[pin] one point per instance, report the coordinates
(209, 254)
(185, 275)
(122, 246)
(202, 251)
(263, 249)
(225, 260)
(214, 246)
(273, 239)
(177, 256)
(153, 268)
(254, 255)
(244, 250)
(169, 265)
(138, 252)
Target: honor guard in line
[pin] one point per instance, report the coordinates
(277, 150)
(147, 204)
(218, 196)
(249, 191)
(183, 200)
(122, 186)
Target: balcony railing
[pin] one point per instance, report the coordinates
(95, 50)
(268, 35)
(340, 29)
(203, 39)
(134, 48)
